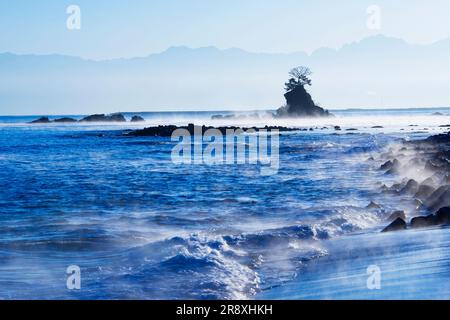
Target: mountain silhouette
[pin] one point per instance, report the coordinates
(375, 72)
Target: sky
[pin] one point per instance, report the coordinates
(113, 29)
(125, 29)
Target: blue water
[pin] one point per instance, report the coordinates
(141, 227)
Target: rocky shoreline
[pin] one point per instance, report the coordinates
(422, 169)
(114, 117)
(166, 131)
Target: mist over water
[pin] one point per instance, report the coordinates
(142, 227)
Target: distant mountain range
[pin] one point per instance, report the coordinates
(376, 72)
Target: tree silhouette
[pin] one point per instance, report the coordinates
(299, 77)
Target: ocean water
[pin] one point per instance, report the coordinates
(141, 227)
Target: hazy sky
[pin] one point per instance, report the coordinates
(117, 28)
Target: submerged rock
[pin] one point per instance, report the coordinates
(166, 131)
(65, 120)
(115, 117)
(137, 119)
(397, 225)
(41, 120)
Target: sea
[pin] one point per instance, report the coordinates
(135, 225)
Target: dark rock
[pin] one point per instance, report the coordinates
(443, 215)
(351, 129)
(166, 131)
(439, 198)
(137, 119)
(373, 205)
(440, 138)
(395, 188)
(397, 225)
(115, 117)
(160, 131)
(424, 192)
(94, 118)
(337, 128)
(65, 120)
(397, 214)
(300, 104)
(41, 120)
(377, 127)
(412, 186)
(422, 222)
(393, 167)
(387, 165)
(390, 164)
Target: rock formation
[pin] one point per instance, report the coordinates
(115, 117)
(300, 104)
(166, 131)
(41, 120)
(298, 101)
(137, 119)
(65, 120)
